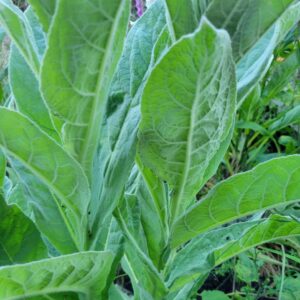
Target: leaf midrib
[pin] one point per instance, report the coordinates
(98, 102)
(51, 187)
(211, 226)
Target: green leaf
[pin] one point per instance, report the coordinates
(275, 227)
(42, 156)
(76, 75)
(253, 126)
(162, 45)
(212, 248)
(182, 17)
(29, 100)
(116, 293)
(114, 244)
(38, 203)
(268, 185)
(195, 116)
(289, 118)
(118, 140)
(291, 290)
(37, 30)
(151, 194)
(84, 273)
(214, 295)
(196, 258)
(250, 106)
(128, 216)
(2, 169)
(18, 234)
(255, 63)
(246, 269)
(44, 9)
(245, 20)
(19, 29)
(280, 75)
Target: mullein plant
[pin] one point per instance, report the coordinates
(110, 135)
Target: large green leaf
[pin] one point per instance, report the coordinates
(194, 117)
(197, 256)
(18, 234)
(214, 247)
(19, 29)
(117, 146)
(255, 27)
(42, 156)
(245, 20)
(276, 227)
(84, 273)
(84, 46)
(36, 201)
(268, 185)
(44, 9)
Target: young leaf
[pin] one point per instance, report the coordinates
(84, 273)
(196, 80)
(118, 140)
(245, 20)
(2, 169)
(182, 17)
(23, 140)
(19, 29)
(17, 235)
(281, 74)
(252, 67)
(76, 75)
(196, 258)
(38, 203)
(214, 247)
(276, 227)
(29, 100)
(268, 185)
(289, 118)
(136, 249)
(44, 9)
(152, 196)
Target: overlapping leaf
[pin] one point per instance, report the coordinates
(44, 9)
(20, 31)
(196, 81)
(117, 146)
(210, 249)
(17, 235)
(84, 273)
(268, 185)
(23, 140)
(84, 47)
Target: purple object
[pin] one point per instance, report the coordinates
(139, 7)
